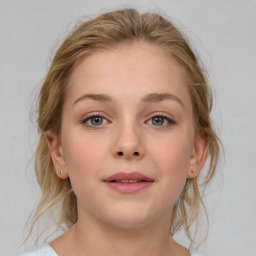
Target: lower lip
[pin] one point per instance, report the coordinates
(129, 188)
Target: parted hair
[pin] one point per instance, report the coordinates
(105, 32)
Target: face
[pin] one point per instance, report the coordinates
(127, 118)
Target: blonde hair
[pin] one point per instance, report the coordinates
(106, 31)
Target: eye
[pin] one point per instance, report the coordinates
(94, 120)
(160, 120)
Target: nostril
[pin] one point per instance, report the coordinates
(121, 153)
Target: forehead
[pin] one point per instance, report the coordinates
(136, 68)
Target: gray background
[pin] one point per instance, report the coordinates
(224, 34)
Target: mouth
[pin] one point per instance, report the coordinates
(128, 183)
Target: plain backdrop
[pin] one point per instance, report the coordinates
(224, 34)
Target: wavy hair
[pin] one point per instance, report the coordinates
(107, 31)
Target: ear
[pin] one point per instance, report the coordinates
(58, 160)
(198, 156)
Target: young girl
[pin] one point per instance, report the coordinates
(125, 132)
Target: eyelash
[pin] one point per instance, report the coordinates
(85, 119)
(169, 119)
(90, 116)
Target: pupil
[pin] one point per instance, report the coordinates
(96, 120)
(158, 120)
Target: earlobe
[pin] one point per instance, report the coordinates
(55, 148)
(198, 157)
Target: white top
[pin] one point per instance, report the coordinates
(46, 250)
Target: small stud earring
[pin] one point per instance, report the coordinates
(61, 171)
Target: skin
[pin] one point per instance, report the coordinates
(111, 223)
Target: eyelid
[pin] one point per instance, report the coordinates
(163, 114)
(86, 117)
(169, 117)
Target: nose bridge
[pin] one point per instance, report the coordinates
(128, 140)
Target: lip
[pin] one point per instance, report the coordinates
(114, 182)
(128, 176)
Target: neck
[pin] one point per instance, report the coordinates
(121, 241)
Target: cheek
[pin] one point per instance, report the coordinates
(171, 157)
(172, 152)
(82, 152)
(83, 157)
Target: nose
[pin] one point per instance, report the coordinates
(128, 143)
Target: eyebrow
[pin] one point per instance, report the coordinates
(158, 97)
(149, 98)
(96, 97)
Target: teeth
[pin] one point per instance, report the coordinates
(128, 181)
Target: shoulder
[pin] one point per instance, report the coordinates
(44, 250)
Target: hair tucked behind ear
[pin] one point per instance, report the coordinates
(107, 31)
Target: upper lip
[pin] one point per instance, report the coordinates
(128, 176)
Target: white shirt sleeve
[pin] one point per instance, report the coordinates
(44, 250)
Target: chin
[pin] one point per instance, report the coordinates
(129, 223)
(129, 217)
